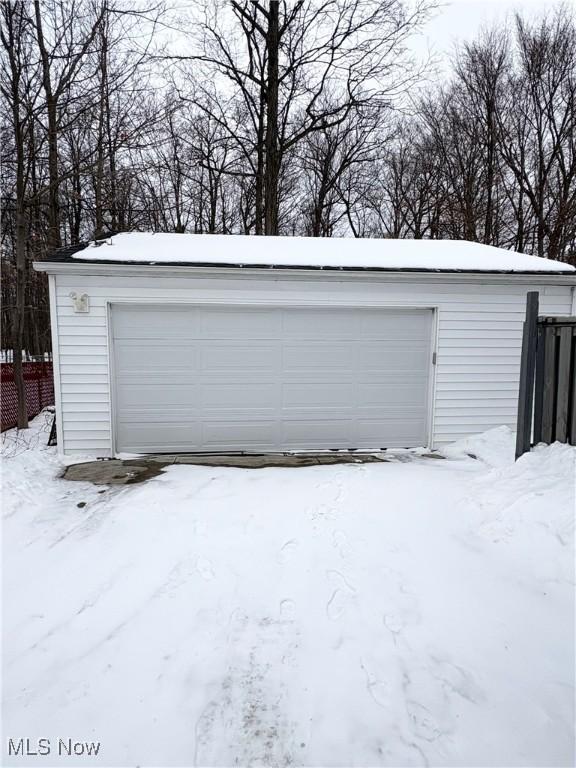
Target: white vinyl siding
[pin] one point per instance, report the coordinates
(478, 337)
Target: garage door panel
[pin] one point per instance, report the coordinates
(136, 395)
(317, 433)
(241, 378)
(150, 437)
(318, 357)
(319, 324)
(392, 413)
(170, 323)
(229, 397)
(399, 324)
(236, 434)
(244, 378)
(173, 415)
(383, 394)
(317, 394)
(165, 356)
(399, 357)
(215, 323)
(163, 381)
(394, 379)
(389, 433)
(238, 357)
(320, 376)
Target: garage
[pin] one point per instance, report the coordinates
(270, 379)
(176, 343)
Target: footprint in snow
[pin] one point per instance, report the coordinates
(457, 678)
(423, 722)
(288, 610)
(395, 622)
(322, 512)
(340, 542)
(338, 578)
(287, 550)
(341, 597)
(204, 568)
(403, 613)
(336, 606)
(430, 704)
(379, 690)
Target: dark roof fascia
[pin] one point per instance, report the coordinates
(67, 259)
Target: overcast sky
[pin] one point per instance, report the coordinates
(454, 22)
(461, 20)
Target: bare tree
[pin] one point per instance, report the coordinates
(18, 88)
(481, 71)
(65, 33)
(539, 125)
(301, 68)
(334, 162)
(295, 117)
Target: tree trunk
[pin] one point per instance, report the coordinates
(520, 213)
(19, 322)
(20, 247)
(99, 169)
(53, 239)
(259, 185)
(490, 174)
(272, 153)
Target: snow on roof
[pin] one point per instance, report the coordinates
(311, 252)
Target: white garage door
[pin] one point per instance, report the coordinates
(259, 378)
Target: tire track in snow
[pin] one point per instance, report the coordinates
(246, 723)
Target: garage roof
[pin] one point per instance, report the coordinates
(344, 253)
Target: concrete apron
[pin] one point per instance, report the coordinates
(130, 471)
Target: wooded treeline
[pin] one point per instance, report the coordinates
(300, 117)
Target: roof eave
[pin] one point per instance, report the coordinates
(106, 267)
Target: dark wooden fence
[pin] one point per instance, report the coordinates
(547, 397)
(39, 387)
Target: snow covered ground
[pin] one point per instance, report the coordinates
(417, 612)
